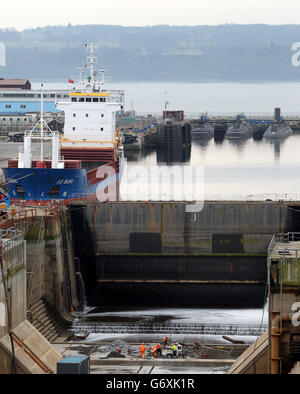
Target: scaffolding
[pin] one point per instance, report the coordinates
(12, 290)
(284, 288)
(12, 248)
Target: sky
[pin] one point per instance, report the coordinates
(20, 14)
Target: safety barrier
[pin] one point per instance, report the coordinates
(14, 217)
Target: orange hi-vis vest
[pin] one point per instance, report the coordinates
(142, 348)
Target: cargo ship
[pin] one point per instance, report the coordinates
(86, 162)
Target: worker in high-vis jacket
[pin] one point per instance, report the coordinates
(158, 349)
(153, 351)
(174, 349)
(142, 351)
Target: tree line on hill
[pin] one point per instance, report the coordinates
(155, 53)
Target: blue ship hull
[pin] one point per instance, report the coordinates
(46, 184)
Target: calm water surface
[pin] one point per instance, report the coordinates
(238, 169)
(232, 169)
(196, 98)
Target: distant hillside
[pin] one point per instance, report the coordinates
(168, 53)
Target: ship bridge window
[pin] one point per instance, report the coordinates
(74, 99)
(88, 99)
(23, 106)
(8, 106)
(95, 100)
(102, 99)
(81, 99)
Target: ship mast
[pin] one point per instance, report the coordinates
(102, 79)
(42, 122)
(91, 59)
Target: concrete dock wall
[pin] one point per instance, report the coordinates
(13, 300)
(14, 270)
(210, 268)
(153, 251)
(50, 264)
(185, 280)
(131, 294)
(221, 227)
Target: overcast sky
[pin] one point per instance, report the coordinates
(22, 14)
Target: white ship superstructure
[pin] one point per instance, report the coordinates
(90, 119)
(90, 136)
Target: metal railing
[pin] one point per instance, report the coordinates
(16, 217)
(287, 237)
(283, 266)
(12, 250)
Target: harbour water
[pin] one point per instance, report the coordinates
(233, 169)
(200, 97)
(241, 169)
(238, 170)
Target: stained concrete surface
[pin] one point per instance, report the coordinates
(220, 353)
(132, 364)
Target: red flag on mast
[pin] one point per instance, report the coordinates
(71, 80)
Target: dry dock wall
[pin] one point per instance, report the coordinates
(50, 264)
(14, 278)
(202, 280)
(41, 267)
(221, 227)
(152, 252)
(12, 288)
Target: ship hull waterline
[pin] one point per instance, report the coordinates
(43, 185)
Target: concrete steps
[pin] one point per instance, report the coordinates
(296, 368)
(46, 320)
(254, 360)
(33, 353)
